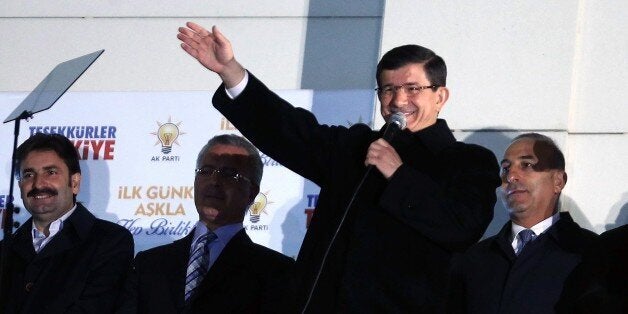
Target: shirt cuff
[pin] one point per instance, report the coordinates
(235, 91)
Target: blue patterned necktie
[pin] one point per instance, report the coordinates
(198, 264)
(525, 236)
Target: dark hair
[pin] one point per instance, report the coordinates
(50, 142)
(238, 141)
(434, 65)
(546, 147)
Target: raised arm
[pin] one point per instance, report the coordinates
(213, 50)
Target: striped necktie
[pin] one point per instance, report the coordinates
(198, 264)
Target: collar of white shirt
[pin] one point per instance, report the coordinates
(538, 229)
(40, 239)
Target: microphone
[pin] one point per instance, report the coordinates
(396, 123)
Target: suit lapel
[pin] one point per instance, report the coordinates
(22, 242)
(502, 241)
(75, 231)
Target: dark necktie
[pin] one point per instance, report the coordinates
(198, 264)
(525, 236)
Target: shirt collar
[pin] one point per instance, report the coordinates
(538, 228)
(40, 239)
(55, 226)
(223, 233)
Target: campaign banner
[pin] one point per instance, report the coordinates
(138, 153)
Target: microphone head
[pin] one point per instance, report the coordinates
(399, 119)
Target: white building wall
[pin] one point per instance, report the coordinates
(556, 67)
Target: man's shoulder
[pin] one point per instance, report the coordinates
(269, 255)
(483, 246)
(109, 227)
(468, 150)
(470, 159)
(84, 222)
(611, 242)
(573, 232)
(619, 235)
(178, 246)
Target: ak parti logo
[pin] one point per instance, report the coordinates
(167, 135)
(258, 207)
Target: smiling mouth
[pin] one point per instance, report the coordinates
(404, 112)
(41, 196)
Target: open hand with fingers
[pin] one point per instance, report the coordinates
(213, 50)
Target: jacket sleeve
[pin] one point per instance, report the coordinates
(455, 211)
(128, 303)
(272, 124)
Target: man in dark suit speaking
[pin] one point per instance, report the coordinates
(216, 268)
(63, 259)
(523, 268)
(386, 246)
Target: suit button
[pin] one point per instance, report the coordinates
(28, 287)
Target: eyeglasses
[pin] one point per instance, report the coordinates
(222, 173)
(409, 89)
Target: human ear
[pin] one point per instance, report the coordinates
(75, 182)
(560, 179)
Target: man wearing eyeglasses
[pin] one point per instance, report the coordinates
(385, 247)
(216, 268)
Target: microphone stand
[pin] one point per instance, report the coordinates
(47, 92)
(7, 214)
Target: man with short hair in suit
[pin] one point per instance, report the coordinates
(522, 269)
(391, 213)
(216, 268)
(63, 259)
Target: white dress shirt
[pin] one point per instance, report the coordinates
(538, 229)
(40, 239)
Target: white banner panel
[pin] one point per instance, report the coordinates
(135, 175)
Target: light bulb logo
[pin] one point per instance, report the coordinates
(258, 206)
(167, 134)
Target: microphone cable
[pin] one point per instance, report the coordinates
(397, 122)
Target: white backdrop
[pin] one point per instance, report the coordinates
(129, 179)
(558, 68)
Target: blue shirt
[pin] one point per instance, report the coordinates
(224, 234)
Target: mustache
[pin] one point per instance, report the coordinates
(36, 191)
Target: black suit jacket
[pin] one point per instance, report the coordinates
(82, 269)
(393, 252)
(242, 280)
(600, 283)
(490, 278)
